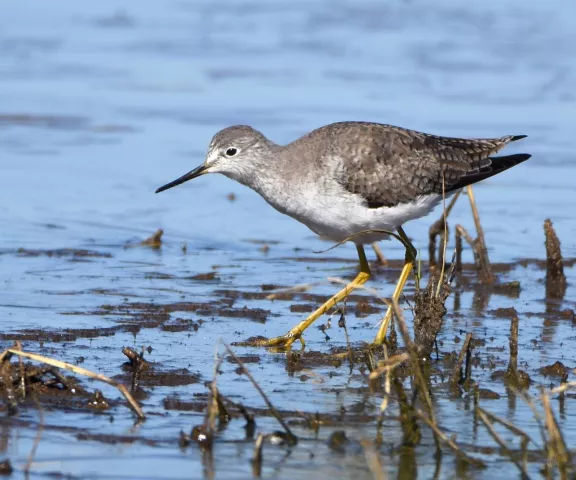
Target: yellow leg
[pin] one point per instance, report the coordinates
(408, 266)
(381, 258)
(285, 341)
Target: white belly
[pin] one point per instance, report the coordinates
(345, 218)
(330, 211)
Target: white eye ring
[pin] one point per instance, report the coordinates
(230, 152)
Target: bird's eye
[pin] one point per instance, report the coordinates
(231, 152)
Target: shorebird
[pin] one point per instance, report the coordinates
(355, 181)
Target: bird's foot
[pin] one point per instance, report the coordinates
(281, 343)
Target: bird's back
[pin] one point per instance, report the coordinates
(388, 165)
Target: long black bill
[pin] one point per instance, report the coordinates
(201, 170)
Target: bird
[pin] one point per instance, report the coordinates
(353, 181)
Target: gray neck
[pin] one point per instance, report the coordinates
(269, 167)
(284, 177)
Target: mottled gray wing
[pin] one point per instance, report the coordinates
(388, 165)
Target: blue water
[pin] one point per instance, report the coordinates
(102, 102)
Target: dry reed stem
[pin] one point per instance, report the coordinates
(513, 344)
(257, 456)
(18, 346)
(370, 290)
(449, 441)
(485, 267)
(511, 427)
(9, 396)
(342, 324)
(384, 366)
(562, 388)
(479, 245)
(445, 243)
(81, 371)
(214, 401)
(555, 277)
(440, 228)
(379, 255)
(395, 235)
(458, 251)
(417, 371)
(291, 437)
(295, 289)
(494, 434)
(3, 356)
(556, 446)
(411, 434)
(460, 230)
(457, 370)
(505, 423)
(208, 470)
(485, 275)
(535, 412)
(373, 460)
(37, 438)
(414, 361)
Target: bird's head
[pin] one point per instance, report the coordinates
(236, 152)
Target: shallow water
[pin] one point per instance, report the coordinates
(101, 103)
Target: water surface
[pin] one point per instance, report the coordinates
(101, 103)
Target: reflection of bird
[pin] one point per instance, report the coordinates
(348, 178)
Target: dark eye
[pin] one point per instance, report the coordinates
(231, 152)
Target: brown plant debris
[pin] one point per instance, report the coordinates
(440, 229)
(291, 438)
(513, 362)
(429, 313)
(487, 394)
(458, 375)
(416, 367)
(556, 448)
(514, 377)
(6, 354)
(204, 276)
(73, 253)
(6, 468)
(555, 278)
(373, 460)
(557, 369)
(519, 460)
(256, 460)
(379, 255)
(337, 441)
(478, 245)
(410, 430)
(450, 442)
(155, 241)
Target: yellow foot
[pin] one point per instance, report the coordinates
(285, 342)
(281, 343)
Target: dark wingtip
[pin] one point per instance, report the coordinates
(509, 161)
(517, 137)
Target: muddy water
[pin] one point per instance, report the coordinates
(100, 103)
